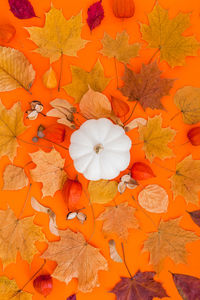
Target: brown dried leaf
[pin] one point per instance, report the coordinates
(14, 178)
(135, 123)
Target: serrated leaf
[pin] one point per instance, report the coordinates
(9, 290)
(14, 178)
(102, 191)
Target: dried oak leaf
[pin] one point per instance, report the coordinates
(18, 235)
(187, 99)
(76, 259)
(14, 178)
(9, 290)
(49, 171)
(166, 35)
(58, 36)
(81, 80)
(156, 139)
(168, 241)
(102, 191)
(147, 87)
(11, 126)
(118, 219)
(141, 287)
(186, 180)
(119, 48)
(187, 286)
(15, 70)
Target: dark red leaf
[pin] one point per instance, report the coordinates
(95, 15)
(195, 215)
(141, 286)
(72, 297)
(22, 9)
(141, 171)
(187, 286)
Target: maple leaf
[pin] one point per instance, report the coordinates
(49, 171)
(102, 191)
(169, 240)
(118, 219)
(11, 126)
(119, 47)
(141, 286)
(187, 99)
(166, 35)
(147, 87)
(18, 235)
(14, 178)
(156, 138)
(58, 36)
(9, 290)
(81, 80)
(186, 180)
(76, 258)
(187, 286)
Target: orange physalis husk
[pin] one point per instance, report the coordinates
(120, 108)
(55, 133)
(141, 171)
(7, 33)
(43, 284)
(72, 191)
(194, 136)
(123, 8)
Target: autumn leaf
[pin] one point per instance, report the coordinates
(119, 47)
(141, 287)
(53, 45)
(168, 241)
(154, 199)
(187, 286)
(22, 9)
(118, 219)
(187, 99)
(49, 171)
(146, 87)
(195, 215)
(114, 255)
(186, 181)
(95, 15)
(76, 259)
(9, 290)
(156, 139)
(11, 126)
(81, 80)
(102, 191)
(135, 123)
(14, 178)
(49, 79)
(166, 35)
(15, 70)
(18, 235)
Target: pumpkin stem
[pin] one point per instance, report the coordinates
(98, 148)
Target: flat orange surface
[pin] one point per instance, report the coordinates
(186, 75)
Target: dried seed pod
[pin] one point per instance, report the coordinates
(37, 105)
(43, 284)
(123, 8)
(194, 136)
(7, 33)
(32, 114)
(81, 217)
(72, 191)
(55, 133)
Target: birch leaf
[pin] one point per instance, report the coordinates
(119, 47)
(58, 36)
(11, 126)
(49, 171)
(166, 35)
(81, 80)
(156, 139)
(18, 235)
(102, 191)
(15, 70)
(9, 290)
(186, 181)
(14, 178)
(76, 259)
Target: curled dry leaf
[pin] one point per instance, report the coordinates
(119, 107)
(169, 241)
(135, 124)
(18, 235)
(49, 171)
(10, 290)
(7, 33)
(22, 9)
(154, 199)
(14, 178)
(102, 191)
(156, 139)
(113, 252)
(187, 286)
(95, 15)
(15, 70)
(141, 171)
(49, 79)
(71, 253)
(118, 219)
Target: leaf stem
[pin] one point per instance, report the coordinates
(34, 144)
(165, 168)
(27, 196)
(153, 55)
(178, 113)
(131, 113)
(55, 143)
(93, 215)
(61, 68)
(116, 72)
(124, 260)
(136, 144)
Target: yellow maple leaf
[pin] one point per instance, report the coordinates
(9, 290)
(76, 259)
(18, 235)
(168, 241)
(187, 99)
(186, 180)
(166, 35)
(59, 36)
(102, 191)
(49, 171)
(156, 138)
(11, 126)
(14, 178)
(119, 47)
(81, 80)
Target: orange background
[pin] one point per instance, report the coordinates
(186, 75)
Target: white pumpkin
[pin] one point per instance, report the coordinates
(100, 149)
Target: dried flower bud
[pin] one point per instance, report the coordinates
(32, 114)
(37, 105)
